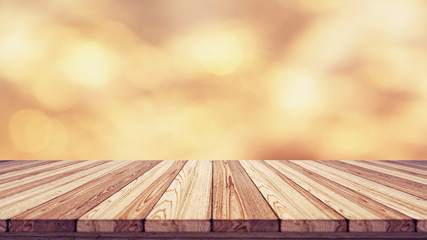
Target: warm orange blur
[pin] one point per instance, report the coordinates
(217, 79)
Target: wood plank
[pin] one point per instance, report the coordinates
(125, 210)
(9, 163)
(422, 225)
(16, 175)
(238, 206)
(410, 164)
(402, 184)
(306, 195)
(22, 165)
(298, 210)
(13, 162)
(186, 204)
(405, 203)
(23, 201)
(3, 225)
(31, 182)
(61, 213)
(419, 162)
(391, 169)
(363, 213)
(412, 174)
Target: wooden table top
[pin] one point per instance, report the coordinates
(213, 196)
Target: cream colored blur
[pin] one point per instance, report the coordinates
(189, 79)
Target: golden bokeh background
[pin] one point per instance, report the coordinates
(213, 79)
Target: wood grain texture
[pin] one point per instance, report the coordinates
(391, 169)
(237, 202)
(3, 225)
(298, 210)
(14, 166)
(43, 169)
(370, 198)
(125, 210)
(419, 162)
(61, 213)
(410, 164)
(186, 204)
(408, 204)
(18, 203)
(422, 226)
(402, 184)
(33, 181)
(363, 213)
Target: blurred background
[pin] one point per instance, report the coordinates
(213, 79)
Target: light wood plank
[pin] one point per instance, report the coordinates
(405, 203)
(125, 210)
(23, 201)
(402, 184)
(31, 182)
(363, 213)
(186, 204)
(298, 210)
(61, 213)
(237, 203)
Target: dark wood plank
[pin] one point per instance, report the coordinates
(237, 203)
(3, 225)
